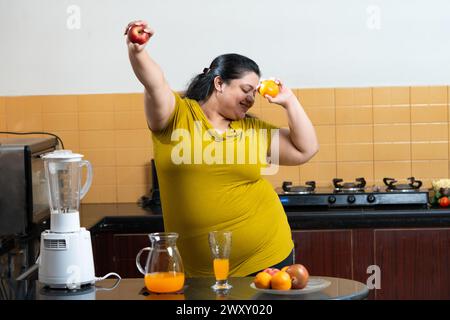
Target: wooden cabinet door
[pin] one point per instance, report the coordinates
(125, 249)
(324, 252)
(414, 263)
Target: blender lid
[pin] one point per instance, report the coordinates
(62, 154)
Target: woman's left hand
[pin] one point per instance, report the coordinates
(284, 97)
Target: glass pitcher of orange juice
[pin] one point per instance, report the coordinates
(163, 271)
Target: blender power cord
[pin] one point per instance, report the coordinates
(107, 276)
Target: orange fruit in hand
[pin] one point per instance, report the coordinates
(269, 87)
(281, 281)
(262, 280)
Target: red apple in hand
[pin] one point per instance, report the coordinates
(137, 34)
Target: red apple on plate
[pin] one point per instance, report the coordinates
(137, 34)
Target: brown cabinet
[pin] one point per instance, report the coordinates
(117, 252)
(413, 263)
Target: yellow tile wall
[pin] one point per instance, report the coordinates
(363, 132)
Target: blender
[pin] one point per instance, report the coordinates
(66, 259)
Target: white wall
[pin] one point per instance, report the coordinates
(307, 43)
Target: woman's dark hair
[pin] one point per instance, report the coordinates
(228, 66)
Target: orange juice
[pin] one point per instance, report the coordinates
(164, 282)
(221, 268)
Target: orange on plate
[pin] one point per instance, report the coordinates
(269, 87)
(262, 280)
(281, 281)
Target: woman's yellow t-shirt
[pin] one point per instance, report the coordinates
(211, 181)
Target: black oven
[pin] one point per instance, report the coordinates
(23, 189)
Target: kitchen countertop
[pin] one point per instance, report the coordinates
(129, 218)
(195, 289)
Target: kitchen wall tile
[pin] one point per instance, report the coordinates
(104, 175)
(96, 121)
(101, 139)
(327, 153)
(2, 115)
(285, 173)
(321, 115)
(392, 151)
(133, 156)
(139, 138)
(258, 101)
(349, 171)
(353, 97)
(100, 157)
(265, 104)
(429, 113)
(316, 97)
(276, 116)
(137, 101)
(399, 170)
(27, 104)
(18, 121)
(354, 115)
(428, 170)
(326, 134)
(23, 113)
(255, 112)
(391, 114)
(101, 194)
(437, 150)
(356, 139)
(60, 104)
(134, 175)
(70, 139)
(392, 133)
(130, 120)
(429, 131)
(391, 96)
(354, 152)
(96, 103)
(122, 102)
(60, 121)
(429, 95)
(321, 172)
(354, 133)
(131, 193)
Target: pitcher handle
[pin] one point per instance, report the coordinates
(138, 259)
(88, 182)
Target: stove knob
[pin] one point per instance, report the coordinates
(331, 199)
(371, 198)
(351, 199)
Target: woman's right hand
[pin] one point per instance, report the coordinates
(135, 46)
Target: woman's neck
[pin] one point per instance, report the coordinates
(211, 110)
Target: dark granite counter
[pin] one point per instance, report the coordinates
(130, 218)
(194, 289)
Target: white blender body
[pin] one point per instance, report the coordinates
(66, 259)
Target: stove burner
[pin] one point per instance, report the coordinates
(412, 186)
(308, 189)
(357, 186)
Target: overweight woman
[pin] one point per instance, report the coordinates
(210, 154)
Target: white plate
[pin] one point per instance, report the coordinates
(314, 285)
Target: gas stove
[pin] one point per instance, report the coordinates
(357, 194)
